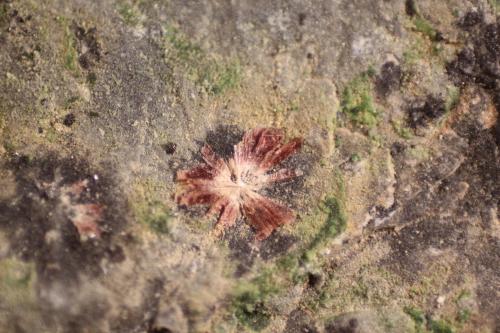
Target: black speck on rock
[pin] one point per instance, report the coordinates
(169, 148)
(314, 280)
(300, 321)
(224, 138)
(343, 326)
(411, 8)
(397, 148)
(69, 120)
(89, 49)
(302, 18)
(471, 19)
(160, 330)
(439, 37)
(421, 114)
(389, 79)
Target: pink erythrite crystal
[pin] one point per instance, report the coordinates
(85, 219)
(84, 216)
(231, 187)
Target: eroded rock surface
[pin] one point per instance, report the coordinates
(396, 207)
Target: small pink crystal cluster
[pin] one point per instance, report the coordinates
(231, 187)
(84, 216)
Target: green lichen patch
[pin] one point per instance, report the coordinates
(18, 296)
(15, 275)
(70, 55)
(452, 97)
(51, 135)
(150, 209)
(440, 326)
(358, 102)
(8, 145)
(2, 121)
(423, 48)
(403, 131)
(424, 27)
(16, 283)
(420, 23)
(250, 300)
(213, 76)
(181, 48)
(415, 52)
(156, 216)
(289, 265)
(464, 310)
(455, 320)
(464, 294)
(495, 4)
(419, 153)
(69, 51)
(129, 14)
(424, 325)
(218, 78)
(451, 100)
(326, 221)
(91, 79)
(367, 286)
(335, 223)
(3, 14)
(71, 102)
(463, 316)
(417, 316)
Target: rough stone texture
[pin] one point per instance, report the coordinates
(367, 321)
(397, 226)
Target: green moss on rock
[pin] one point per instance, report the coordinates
(415, 52)
(149, 208)
(440, 326)
(425, 27)
(418, 317)
(218, 78)
(335, 224)
(213, 76)
(452, 97)
(155, 215)
(129, 14)
(70, 54)
(181, 47)
(358, 103)
(17, 281)
(495, 4)
(403, 131)
(250, 301)
(463, 316)
(3, 15)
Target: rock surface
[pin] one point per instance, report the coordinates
(397, 224)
